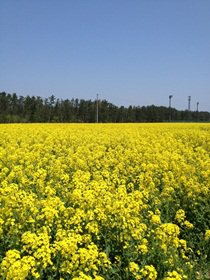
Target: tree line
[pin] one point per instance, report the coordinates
(18, 109)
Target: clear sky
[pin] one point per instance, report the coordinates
(130, 52)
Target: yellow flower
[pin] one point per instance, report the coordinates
(207, 234)
(80, 200)
(149, 272)
(188, 224)
(180, 215)
(155, 219)
(174, 275)
(133, 267)
(143, 248)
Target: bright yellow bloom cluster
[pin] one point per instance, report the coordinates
(207, 234)
(180, 217)
(149, 272)
(17, 268)
(174, 275)
(103, 201)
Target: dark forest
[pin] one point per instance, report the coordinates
(34, 109)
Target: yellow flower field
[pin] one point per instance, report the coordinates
(104, 201)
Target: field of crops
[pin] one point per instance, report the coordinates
(105, 201)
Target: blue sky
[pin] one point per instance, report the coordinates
(134, 52)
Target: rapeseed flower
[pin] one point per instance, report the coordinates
(85, 201)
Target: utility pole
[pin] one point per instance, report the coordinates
(189, 99)
(197, 112)
(170, 96)
(97, 107)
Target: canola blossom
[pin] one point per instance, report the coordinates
(104, 201)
